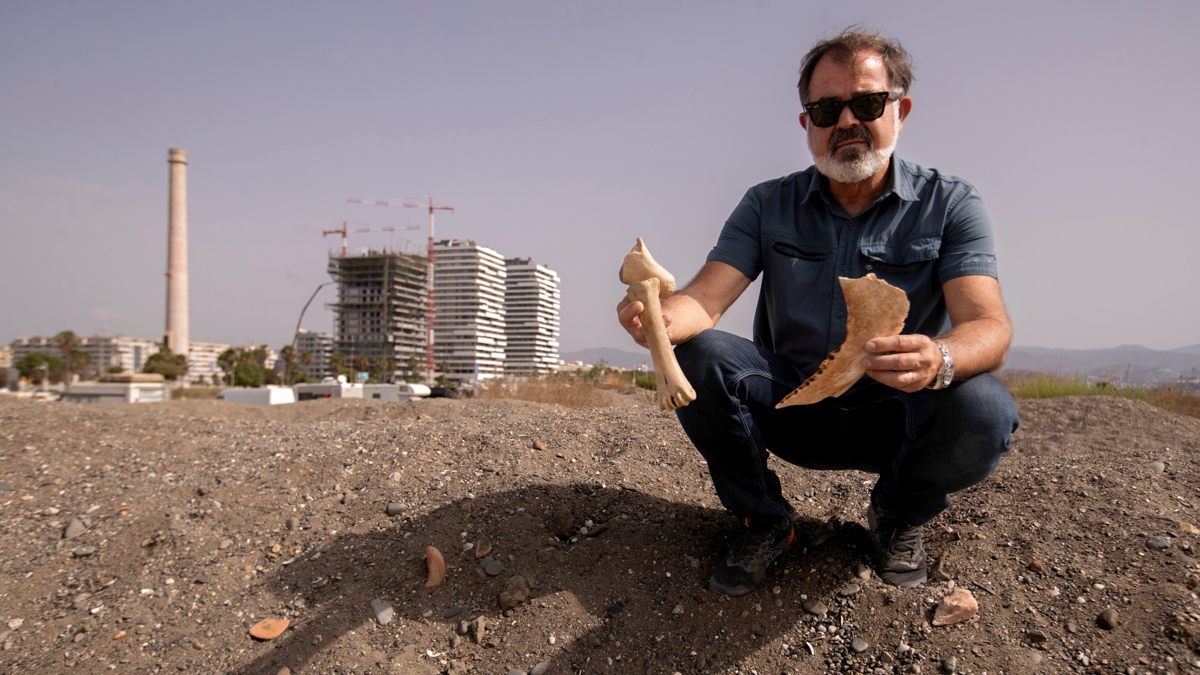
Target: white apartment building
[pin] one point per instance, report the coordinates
(5, 356)
(531, 304)
(320, 345)
(469, 320)
(202, 362)
(122, 351)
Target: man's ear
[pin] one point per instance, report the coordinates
(804, 121)
(905, 107)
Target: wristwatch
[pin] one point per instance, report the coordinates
(945, 374)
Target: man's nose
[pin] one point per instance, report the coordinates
(846, 118)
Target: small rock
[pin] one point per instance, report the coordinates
(540, 669)
(516, 591)
(477, 629)
(5, 486)
(293, 523)
(1158, 543)
(816, 608)
(949, 664)
(1108, 619)
(455, 641)
(1072, 627)
(395, 509)
(859, 645)
(1036, 566)
(678, 609)
(482, 548)
(938, 571)
(955, 607)
(514, 671)
(269, 629)
(74, 529)
(202, 579)
(862, 572)
(456, 667)
(383, 611)
(284, 671)
(83, 551)
(1156, 467)
(349, 498)
(225, 543)
(537, 445)
(1037, 637)
(561, 523)
(452, 612)
(493, 567)
(849, 590)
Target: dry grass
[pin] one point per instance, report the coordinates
(569, 392)
(1024, 384)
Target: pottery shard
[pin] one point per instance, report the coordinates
(437, 566)
(957, 606)
(874, 309)
(516, 591)
(269, 629)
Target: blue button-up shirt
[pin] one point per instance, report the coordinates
(925, 229)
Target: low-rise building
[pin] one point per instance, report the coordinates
(202, 362)
(320, 346)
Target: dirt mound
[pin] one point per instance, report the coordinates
(200, 518)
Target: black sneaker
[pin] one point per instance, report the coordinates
(749, 553)
(902, 561)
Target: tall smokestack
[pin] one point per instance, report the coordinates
(177, 263)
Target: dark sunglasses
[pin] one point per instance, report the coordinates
(866, 108)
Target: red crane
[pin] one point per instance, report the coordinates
(344, 231)
(429, 313)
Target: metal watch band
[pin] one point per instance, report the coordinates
(945, 374)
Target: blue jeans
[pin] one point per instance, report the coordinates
(923, 445)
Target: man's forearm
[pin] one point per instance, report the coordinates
(978, 346)
(688, 317)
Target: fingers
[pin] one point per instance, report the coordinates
(904, 380)
(898, 343)
(904, 362)
(628, 312)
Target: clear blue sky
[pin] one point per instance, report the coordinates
(561, 131)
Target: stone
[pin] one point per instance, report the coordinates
(493, 567)
(859, 645)
(477, 629)
(1158, 543)
(540, 669)
(561, 522)
(849, 590)
(284, 671)
(1156, 467)
(293, 523)
(83, 551)
(5, 486)
(482, 548)
(816, 608)
(1108, 619)
(862, 572)
(269, 629)
(395, 509)
(74, 529)
(349, 498)
(457, 668)
(383, 611)
(225, 543)
(452, 612)
(1037, 637)
(516, 591)
(1035, 566)
(537, 445)
(955, 607)
(949, 664)
(514, 671)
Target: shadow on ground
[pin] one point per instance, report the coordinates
(614, 594)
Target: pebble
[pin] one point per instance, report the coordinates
(540, 669)
(862, 572)
(226, 543)
(561, 523)
(949, 664)
(269, 629)
(1156, 467)
(492, 566)
(383, 611)
(678, 609)
(1036, 566)
(83, 551)
(293, 523)
(1108, 619)
(5, 486)
(1072, 627)
(537, 445)
(514, 671)
(395, 509)
(955, 607)
(349, 498)
(1158, 543)
(202, 579)
(74, 529)
(51, 511)
(816, 608)
(859, 645)
(452, 612)
(849, 590)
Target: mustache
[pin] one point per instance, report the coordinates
(854, 133)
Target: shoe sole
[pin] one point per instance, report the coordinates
(731, 591)
(913, 579)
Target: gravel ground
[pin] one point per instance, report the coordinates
(151, 538)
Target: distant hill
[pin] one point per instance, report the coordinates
(1133, 363)
(617, 358)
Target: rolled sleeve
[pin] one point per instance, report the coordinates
(739, 243)
(968, 245)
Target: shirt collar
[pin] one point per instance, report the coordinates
(900, 181)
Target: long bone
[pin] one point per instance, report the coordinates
(649, 283)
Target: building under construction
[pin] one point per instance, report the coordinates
(380, 308)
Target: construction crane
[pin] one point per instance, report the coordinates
(344, 231)
(429, 313)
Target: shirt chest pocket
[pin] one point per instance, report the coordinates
(799, 252)
(907, 265)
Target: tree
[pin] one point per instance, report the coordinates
(288, 355)
(362, 364)
(77, 361)
(414, 375)
(227, 361)
(337, 363)
(307, 359)
(115, 370)
(167, 363)
(37, 365)
(443, 379)
(67, 342)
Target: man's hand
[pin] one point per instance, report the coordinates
(905, 362)
(629, 314)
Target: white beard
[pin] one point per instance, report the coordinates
(860, 166)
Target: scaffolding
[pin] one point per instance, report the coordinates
(380, 308)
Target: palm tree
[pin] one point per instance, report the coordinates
(306, 359)
(362, 364)
(67, 342)
(337, 363)
(78, 360)
(227, 362)
(288, 354)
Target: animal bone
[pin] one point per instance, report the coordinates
(648, 283)
(437, 566)
(874, 308)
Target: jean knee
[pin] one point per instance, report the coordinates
(983, 407)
